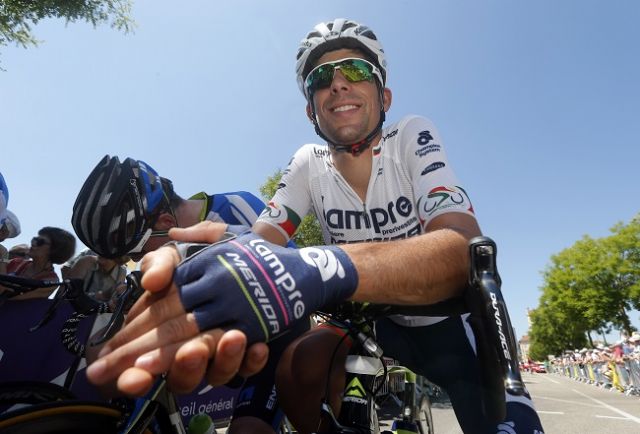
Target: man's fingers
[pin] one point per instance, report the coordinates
(114, 360)
(157, 268)
(135, 382)
(228, 358)
(159, 311)
(145, 300)
(254, 360)
(203, 232)
(191, 361)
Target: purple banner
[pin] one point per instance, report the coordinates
(40, 356)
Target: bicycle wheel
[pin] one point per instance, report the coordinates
(424, 419)
(62, 417)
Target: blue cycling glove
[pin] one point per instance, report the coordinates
(246, 283)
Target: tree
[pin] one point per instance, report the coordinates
(553, 330)
(589, 286)
(624, 243)
(18, 16)
(309, 232)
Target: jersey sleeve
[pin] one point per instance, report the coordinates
(238, 208)
(436, 188)
(292, 200)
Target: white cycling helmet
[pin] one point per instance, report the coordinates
(13, 225)
(4, 199)
(334, 35)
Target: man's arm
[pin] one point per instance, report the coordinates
(269, 233)
(425, 269)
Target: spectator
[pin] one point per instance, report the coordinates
(634, 344)
(19, 251)
(102, 277)
(51, 246)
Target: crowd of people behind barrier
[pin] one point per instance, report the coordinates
(615, 367)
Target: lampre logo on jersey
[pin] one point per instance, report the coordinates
(443, 198)
(394, 220)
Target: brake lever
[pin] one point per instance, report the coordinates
(48, 315)
(115, 323)
(117, 319)
(485, 277)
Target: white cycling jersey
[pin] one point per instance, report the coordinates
(411, 183)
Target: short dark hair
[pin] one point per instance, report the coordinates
(63, 244)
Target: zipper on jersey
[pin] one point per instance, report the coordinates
(367, 221)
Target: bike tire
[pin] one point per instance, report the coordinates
(32, 392)
(424, 418)
(62, 417)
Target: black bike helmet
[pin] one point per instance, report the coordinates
(116, 207)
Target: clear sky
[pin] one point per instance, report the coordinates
(537, 104)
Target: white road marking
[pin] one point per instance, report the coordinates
(549, 412)
(611, 417)
(623, 413)
(568, 401)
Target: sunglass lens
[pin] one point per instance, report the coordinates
(320, 77)
(38, 241)
(354, 70)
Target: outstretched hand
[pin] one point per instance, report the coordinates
(159, 336)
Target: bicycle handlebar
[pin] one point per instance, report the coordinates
(489, 319)
(485, 281)
(20, 285)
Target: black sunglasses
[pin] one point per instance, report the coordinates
(39, 241)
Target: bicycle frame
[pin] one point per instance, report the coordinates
(367, 375)
(496, 347)
(144, 409)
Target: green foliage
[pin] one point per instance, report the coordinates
(625, 243)
(309, 232)
(18, 16)
(554, 330)
(588, 287)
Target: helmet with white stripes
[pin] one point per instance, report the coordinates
(117, 206)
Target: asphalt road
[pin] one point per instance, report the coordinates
(566, 406)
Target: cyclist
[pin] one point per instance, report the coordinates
(126, 208)
(368, 184)
(372, 183)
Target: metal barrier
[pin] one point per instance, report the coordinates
(623, 377)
